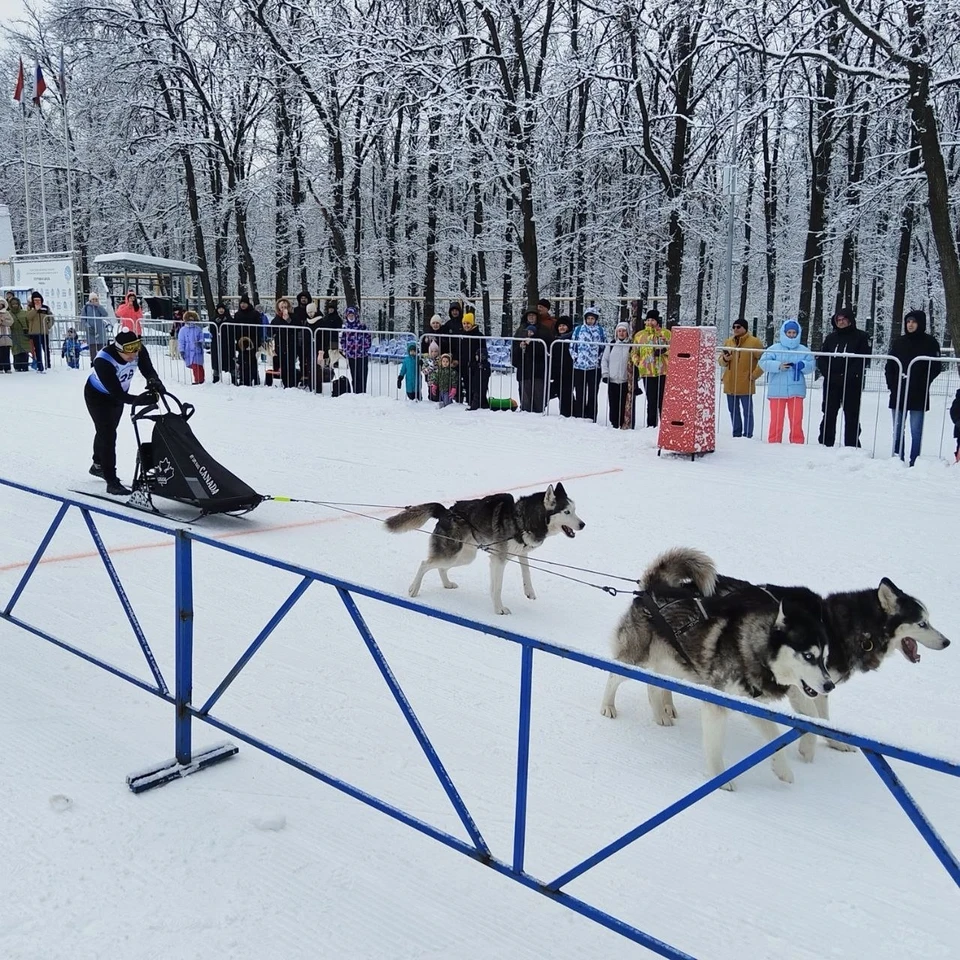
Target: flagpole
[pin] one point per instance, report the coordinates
(26, 176)
(66, 147)
(43, 189)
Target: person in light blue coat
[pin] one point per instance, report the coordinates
(190, 342)
(586, 347)
(787, 365)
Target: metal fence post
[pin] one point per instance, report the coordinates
(184, 644)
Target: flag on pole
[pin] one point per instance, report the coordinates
(39, 87)
(63, 76)
(18, 90)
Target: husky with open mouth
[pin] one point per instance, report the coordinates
(748, 642)
(499, 524)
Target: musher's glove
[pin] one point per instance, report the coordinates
(155, 386)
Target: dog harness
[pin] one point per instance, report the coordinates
(654, 611)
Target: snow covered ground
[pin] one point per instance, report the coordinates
(252, 859)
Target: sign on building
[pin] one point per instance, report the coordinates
(54, 275)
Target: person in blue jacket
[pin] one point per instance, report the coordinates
(787, 364)
(409, 376)
(586, 347)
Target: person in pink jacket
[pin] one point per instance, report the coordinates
(130, 314)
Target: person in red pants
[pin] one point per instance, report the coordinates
(787, 365)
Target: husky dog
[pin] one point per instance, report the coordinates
(748, 643)
(865, 627)
(498, 524)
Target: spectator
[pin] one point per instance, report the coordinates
(284, 345)
(450, 333)
(190, 345)
(444, 381)
(409, 376)
(842, 379)
(249, 337)
(94, 316)
(955, 417)
(6, 338)
(616, 372)
(330, 336)
(651, 359)
(474, 365)
(740, 374)
(19, 334)
(545, 318)
(431, 334)
(561, 367)
(529, 357)
(71, 349)
(173, 349)
(222, 342)
(787, 365)
(311, 372)
(430, 364)
(586, 345)
(130, 314)
(355, 342)
(39, 324)
(106, 392)
(910, 385)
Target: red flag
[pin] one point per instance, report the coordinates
(18, 91)
(40, 86)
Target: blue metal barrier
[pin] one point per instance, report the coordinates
(187, 761)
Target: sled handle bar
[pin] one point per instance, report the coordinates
(185, 410)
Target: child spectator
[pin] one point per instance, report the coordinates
(430, 363)
(190, 342)
(444, 380)
(787, 366)
(585, 346)
(617, 372)
(409, 375)
(355, 343)
(71, 349)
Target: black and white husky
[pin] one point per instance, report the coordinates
(749, 643)
(499, 524)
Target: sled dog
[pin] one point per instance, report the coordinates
(498, 524)
(748, 642)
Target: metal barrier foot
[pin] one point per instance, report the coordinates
(159, 774)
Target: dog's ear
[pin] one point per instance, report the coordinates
(781, 620)
(549, 498)
(560, 492)
(888, 593)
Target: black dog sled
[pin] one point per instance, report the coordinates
(173, 465)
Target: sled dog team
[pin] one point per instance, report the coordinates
(689, 622)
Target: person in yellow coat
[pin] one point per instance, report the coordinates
(650, 358)
(741, 370)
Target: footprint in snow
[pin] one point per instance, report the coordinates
(274, 821)
(60, 803)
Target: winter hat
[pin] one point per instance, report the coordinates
(791, 325)
(351, 312)
(434, 349)
(531, 312)
(435, 318)
(3, 304)
(544, 303)
(564, 321)
(624, 326)
(411, 347)
(191, 316)
(653, 314)
(921, 319)
(530, 325)
(446, 356)
(244, 300)
(311, 309)
(125, 337)
(845, 312)
(469, 319)
(591, 311)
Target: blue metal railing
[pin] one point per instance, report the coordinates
(876, 752)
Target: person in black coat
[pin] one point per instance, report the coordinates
(331, 323)
(561, 367)
(529, 357)
(909, 383)
(955, 417)
(249, 337)
(451, 333)
(843, 374)
(474, 365)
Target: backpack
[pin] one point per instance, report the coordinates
(340, 386)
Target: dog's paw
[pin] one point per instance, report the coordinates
(450, 585)
(666, 718)
(608, 710)
(842, 747)
(530, 594)
(730, 786)
(413, 591)
(808, 747)
(503, 611)
(782, 770)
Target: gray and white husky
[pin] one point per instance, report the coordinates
(748, 643)
(501, 525)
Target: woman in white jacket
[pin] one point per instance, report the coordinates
(616, 371)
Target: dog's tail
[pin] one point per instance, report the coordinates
(413, 518)
(682, 567)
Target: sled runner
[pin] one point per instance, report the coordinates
(174, 465)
